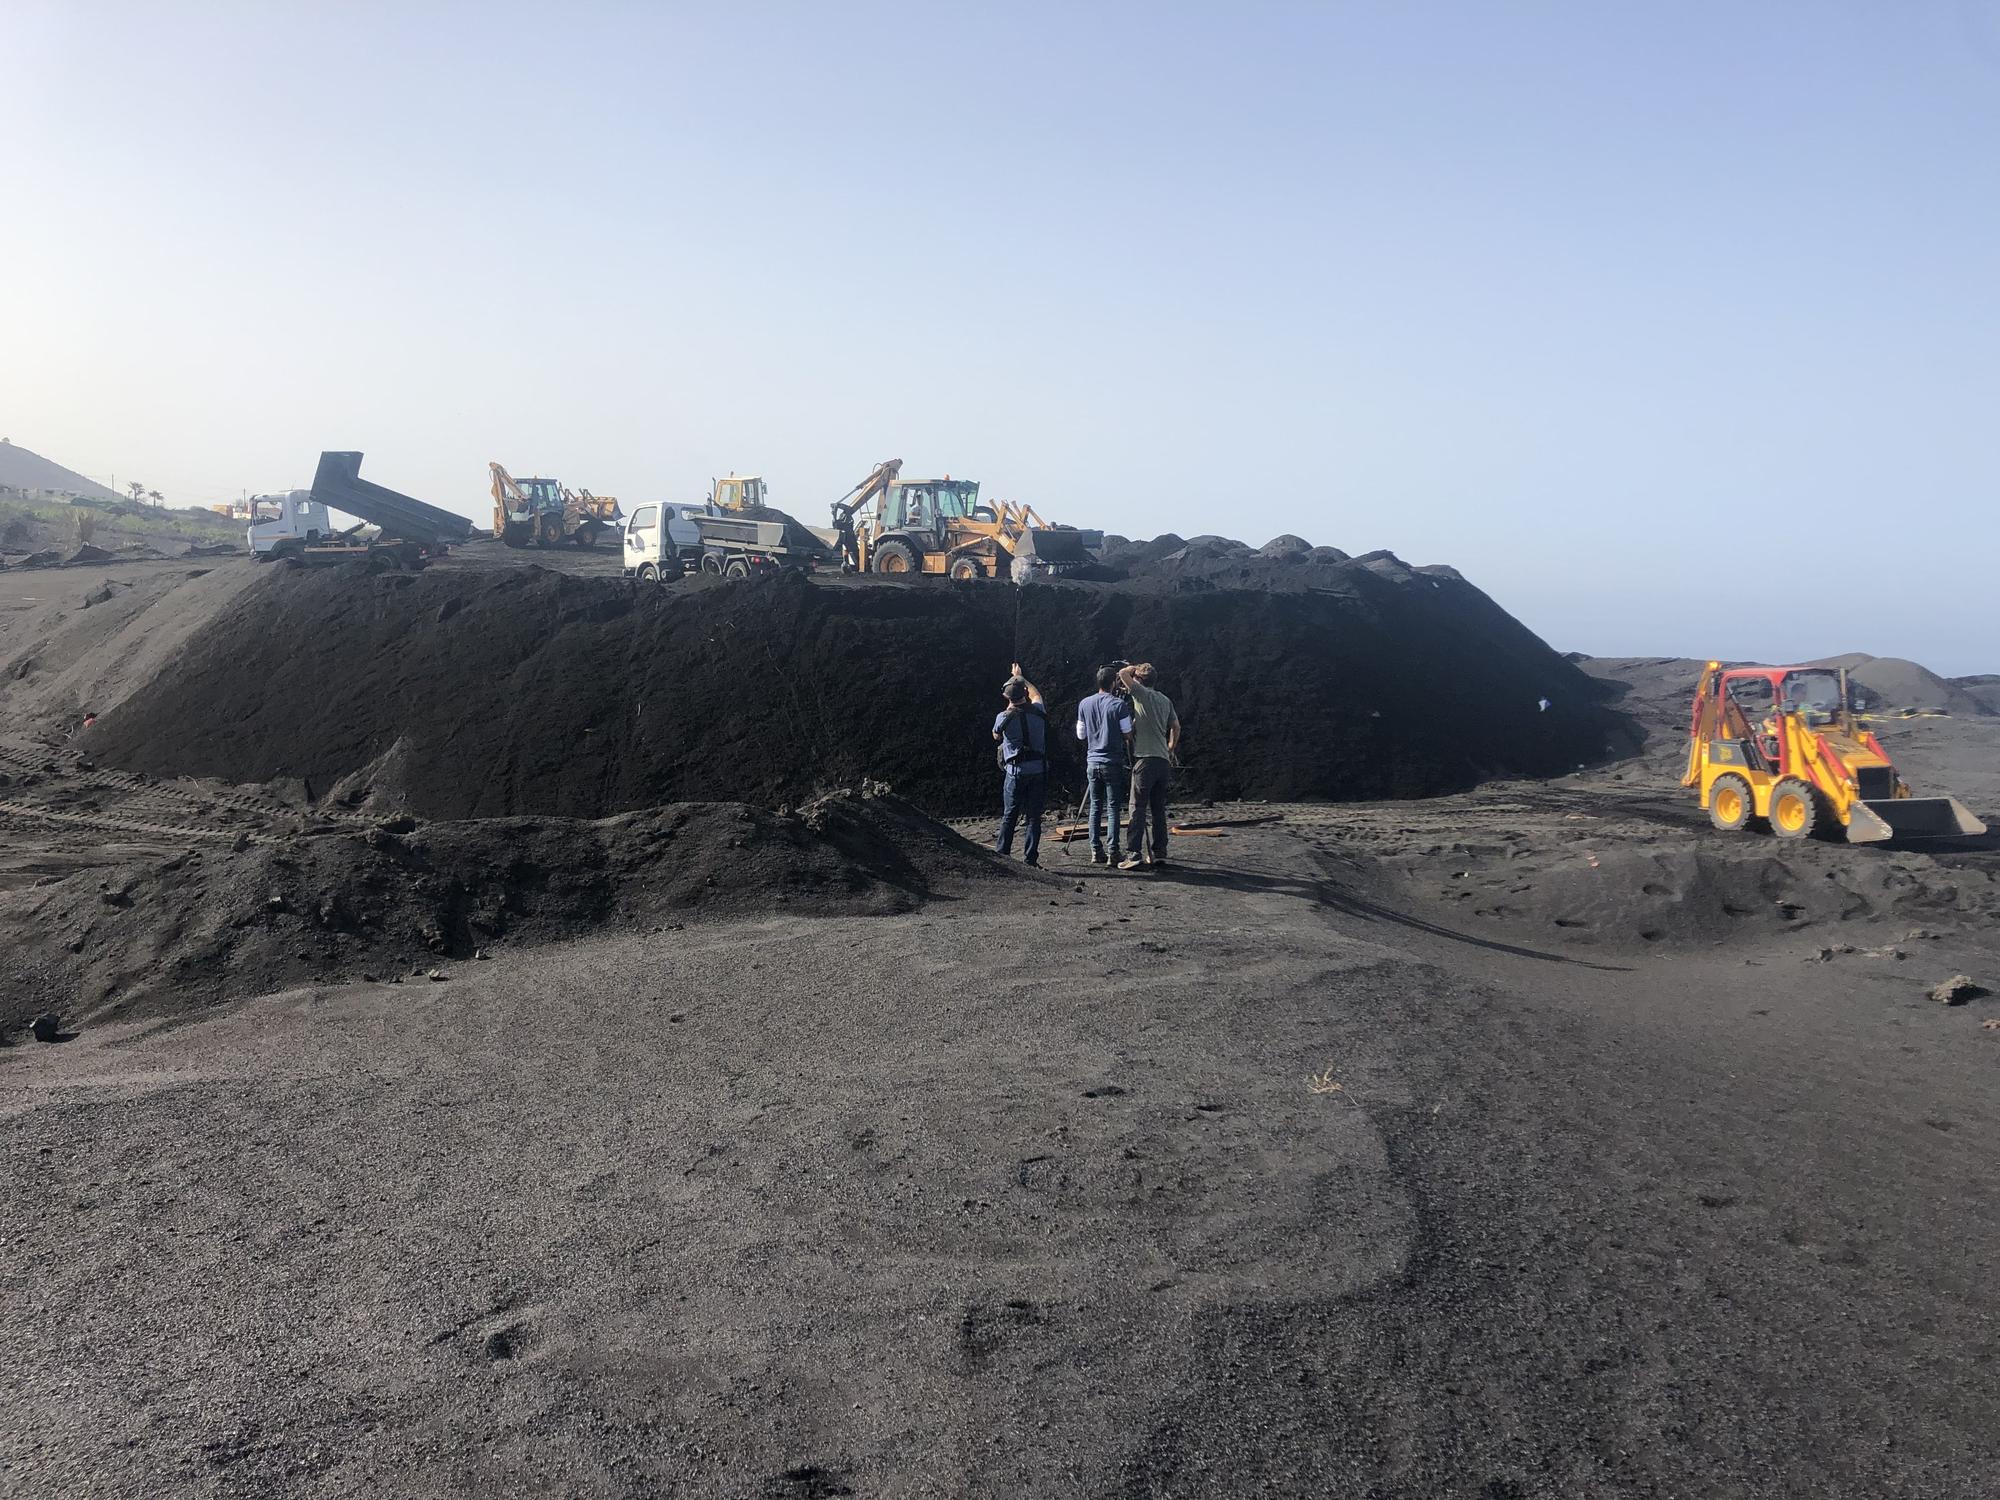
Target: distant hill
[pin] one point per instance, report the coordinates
(1657, 688)
(1892, 682)
(1986, 688)
(23, 470)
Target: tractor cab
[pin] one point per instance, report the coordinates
(740, 492)
(1817, 694)
(541, 494)
(930, 504)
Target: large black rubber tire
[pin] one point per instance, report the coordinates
(1794, 809)
(966, 567)
(1730, 804)
(736, 568)
(648, 573)
(896, 558)
(711, 564)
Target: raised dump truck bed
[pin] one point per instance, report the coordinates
(338, 485)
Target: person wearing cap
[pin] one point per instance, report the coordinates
(1022, 733)
(1104, 724)
(1156, 739)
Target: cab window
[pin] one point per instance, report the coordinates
(644, 517)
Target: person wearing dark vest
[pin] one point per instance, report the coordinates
(1104, 724)
(1022, 733)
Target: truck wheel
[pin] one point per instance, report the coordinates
(1729, 803)
(711, 564)
(737, 568)
(966, 567)
(648, 573)
(1794, 809)
(896, 558)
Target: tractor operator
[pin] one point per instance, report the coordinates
(1022, 734)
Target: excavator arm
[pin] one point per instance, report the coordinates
(877, 481)
(1704, 723)
(506, 494)
(845, 508)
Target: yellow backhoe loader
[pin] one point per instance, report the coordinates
(1782, 744)
(908, 527)
(542, 513)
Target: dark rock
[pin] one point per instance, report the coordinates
(47, 1027)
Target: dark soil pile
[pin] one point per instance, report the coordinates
(464, 694)
(1285, 563)
(163, 936)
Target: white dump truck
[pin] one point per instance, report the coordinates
(735, 533)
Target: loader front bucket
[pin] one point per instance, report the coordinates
(1911, 817)
(1062, 547)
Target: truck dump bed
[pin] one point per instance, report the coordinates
(764, 529)
(338, 485)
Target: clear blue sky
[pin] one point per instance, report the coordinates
(1675, 326)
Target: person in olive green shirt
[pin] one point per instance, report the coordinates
(1156, 740)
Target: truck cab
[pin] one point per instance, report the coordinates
(298, 522)
(662, 541)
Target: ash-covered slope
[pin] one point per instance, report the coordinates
(457, 694)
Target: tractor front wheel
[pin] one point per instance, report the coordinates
(967, 567)
(1794, 809)
(1729, 803)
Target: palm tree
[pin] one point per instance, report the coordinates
(156, 497)
(137, 490)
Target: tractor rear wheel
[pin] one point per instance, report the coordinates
(897, 558)
(1794, 809)
(1730, 803)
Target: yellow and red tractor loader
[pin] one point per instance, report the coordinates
(1782, 744)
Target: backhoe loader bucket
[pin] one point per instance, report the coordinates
(1910, 817)
(1061, 547)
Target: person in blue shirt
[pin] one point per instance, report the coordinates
(1022, 733)
(1104, 724)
